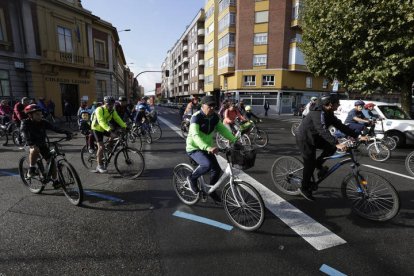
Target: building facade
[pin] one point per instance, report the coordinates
(60, 51)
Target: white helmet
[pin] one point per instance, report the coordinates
(248, 108)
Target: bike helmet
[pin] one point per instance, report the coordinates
(359, 102)
(368, 105)
(109, 99)
(313, 99)
(248, 108)
(141, 107)
(329, 99)
(32, 108)
(122, 99)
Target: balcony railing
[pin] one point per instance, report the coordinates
(200, 47)
(201, 77)
(185, 59)
(201, 32)
(186, 71)
(185, 48)
(67, 58)
(186, 82)
(201, 62)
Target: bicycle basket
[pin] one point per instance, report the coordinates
(244, 158)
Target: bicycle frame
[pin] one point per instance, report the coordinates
(46, 174)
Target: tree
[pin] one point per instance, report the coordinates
(366, 44)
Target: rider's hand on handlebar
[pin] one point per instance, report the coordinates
(341, 147)
(213, 150)
(364, 138)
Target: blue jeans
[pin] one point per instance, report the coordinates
(357, 127)
(206, 163)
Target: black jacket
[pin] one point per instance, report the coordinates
(34, 133)
(317, 122)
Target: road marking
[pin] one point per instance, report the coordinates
(111, 198)
(203, 220)
(390, 172)
(172, 126)
(310, 230)
(3, 172)
(330, 271)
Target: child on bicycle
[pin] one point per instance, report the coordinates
(34, 133)
(250, 115)
(85, 128)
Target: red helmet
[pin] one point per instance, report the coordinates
(368, 105)
(32, 108)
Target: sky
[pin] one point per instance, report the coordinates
(155, 27)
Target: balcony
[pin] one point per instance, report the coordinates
(185, 48)
(186, 82)
(201, 32)
(186, 71)
(180, 83)
(180, 74)
(201, 62)
(200, 47)
(185, 60)
(66, 59)
(201, 77)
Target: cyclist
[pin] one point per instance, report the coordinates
(101, 127)
(5, 112)
(232, 114)
(356, 120)
(309, 105)
(33, 130)
(250, 115)
(18, 111)
(122, 108)
(313, 134)
(199, 143)
(192, 106)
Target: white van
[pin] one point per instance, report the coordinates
(396, 122)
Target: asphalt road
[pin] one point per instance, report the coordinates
(129, 227)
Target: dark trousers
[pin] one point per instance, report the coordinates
(266, 110)
(310, 162)
(357, 127)
(206, 163)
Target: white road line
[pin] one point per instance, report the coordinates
(310, 230)
(390, 172)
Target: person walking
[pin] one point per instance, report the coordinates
(266, 107)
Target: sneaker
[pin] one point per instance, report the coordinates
(307, 194)
(31, 172)
(215, 196)
(192, 187)
(322, 171)
(101, 169)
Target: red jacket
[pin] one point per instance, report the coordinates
(18, 112)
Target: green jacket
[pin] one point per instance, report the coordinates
(202, 130)
(101, 118)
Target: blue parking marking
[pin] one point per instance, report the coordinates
(108, 197)
(8, 173)
(330, 271)
(203, 220)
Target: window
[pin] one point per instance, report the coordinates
(101, 87)
(227, 41)
(65, 39)
(227, 20)
(210, 63)
(262, 17)
(226, 61)
(2, 26)
(260, 38)
(100, 51)
(259, 60)
(4, 83)
(210, 12)
(210, 46)
(210, 29)
(308, 82)
(296, 10)
(225, 3)
(209, 79)
(268, 80)
(325, 83)
(250, 80)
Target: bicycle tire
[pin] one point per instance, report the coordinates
(389, 142)
(181, 186)
(184, 128)
(89, 160)
(378, 152)
(409, 163)
(156, 132)
(294, 128)
(260, 138)
(15, 137)
(221, 142)
(34, 184)
(70, 182)
(287, 173)
(132, 138)
(128, 154)
(379, 201)
(247, 212)
(245, 140)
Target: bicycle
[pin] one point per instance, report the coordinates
(294, 128)
(409, 163)
(259, 136)
(155, 129)
(129, 162)
(185, 126)
(370, 195)
(68, 177)
(243, 138)
(139, 133)
(242, 202)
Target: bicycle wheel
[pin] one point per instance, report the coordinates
(89, 160)
(389, 142)
(129, 163)
(156, 132)
(244, 140)
(221, 142)
(374, 199)
(4, 138)
(34, 184)
(181, 186)
(70, 182)
(245, 208)
(260, 138)
(134, 138)
(378, 152)
(17, 139)
(409, 163)
(287, 174)
(294, 128)
(184, 128)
